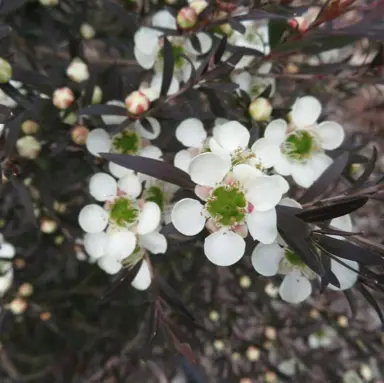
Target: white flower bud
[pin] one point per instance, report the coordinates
(78, 70)
(97, 95)
(48, 225)
(28, 147)
(79, 134)
(198, 5)
(87, 31)
(26, 290)
(49, 3)
(186, 18)
(18, 306)
(137, 103)
(5, 71)
(63, 98)
(29, 127)
(253, 353)
(260, 109)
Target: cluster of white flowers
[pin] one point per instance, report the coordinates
(7, 252)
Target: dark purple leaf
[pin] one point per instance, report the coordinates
(13, 127)
(221, 86)
(8, 6)
(5, 30)
(369, 167)
(15, 94)
(237, 25)
(158, 169)
(221, 49)
(370, 299)
(168, 67)
(99, 110)
(25, 199)
(5, 113)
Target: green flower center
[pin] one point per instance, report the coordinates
(126, 142)
(177, 52)
(123, 212)
(227, 205)
(299, 145)
(242, 157)
(156, 195)
(293, 259)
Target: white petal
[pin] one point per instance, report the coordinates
(130, 185)
(143, 278)
(95, 244)
(216, 148)
(331, 135)
(276, 131)
(164, 19)
(110, 265)
(243, 79)
(146, 41)
(264, 193)
(154, 242)
(232, 136)
(346, 277)
(266, 258)
(208, 168)
(183, 159)
(303, 175)
(290, 202)
(281, 183)
(262, 226)
(114, 120)
(157, 80)
(155, 124)
(266, 151)
(342, 223)
(151, 151)
(120, 244)
(319, 162)
(93, 218)
(6, 281)
(282, 165)
(187, 216)
(102, 187)
(220, 121)
(246, 173)
(191, 133)
(149, 218)
(306, 111)
(295, 288)
(7, 250)
(119, 171)
(224, 248)
(98, 141)
(146, 61)
(205, 44)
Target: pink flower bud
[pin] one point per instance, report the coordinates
(137, 103)
(300, 23)
(186, 18)
(63, 98)
(79, 134)
(18, 306)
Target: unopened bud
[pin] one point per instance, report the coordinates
(137, 103)
(19, 263)
(366, 372)
(49, 3)
(300, 23)
(270, 377)
(68, 118)
(245, 282)
(45, 315)
(219, 345)
(342, 321)
(270, 333)
(63, 98)
(79, 134)
(28, 147)
(260, 109)
(186, 18)
(198, 5)
(59, 240)
(214, 316)
(26, 290)
(18, 306)
(5, 71)
(87, 31)
(59, 207)
(314, 314)
(97, 95)
(78, 70)
(271, 290)
(253, 353)
(48, 225)
(29, 127)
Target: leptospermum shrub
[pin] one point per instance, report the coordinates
(132, 129)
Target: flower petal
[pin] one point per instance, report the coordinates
(245, 173)
(187, 216)
(7, 250)
(110, 265)
(266, 151)
(151, 151)
(216, 148)
(154, 242)
(98, 141)
(120, 244)
(282, 165)
(164, 19)
(263, 225)
(346, 277)
(145, 60)
(319, 162)
(205, 43)
(266, 258)
(232, 136)
(208, 168)
(149, 219)
(146, 41)
(281, 183)
(303, 174)
(276, 131)
(143, 278)
(102, 187)
(6, 281)
(224, 248)
(119, 171)
(131, 185)
(290, 202)
(93, 218)
(243, 80)
(157, 80)
(264, 193)
(155, 125)
(331, 135)
(306, 111)
(95, 244)
(342, 223)
(114, 120)
(295, 288)
(183, 159)
(191, 133)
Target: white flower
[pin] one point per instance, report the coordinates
(238, 197)
(8, 101)
(28, 147)
(143, 278)
(298, 149)
(78, 70)
(124, 226)
(321, 338)
(149, 45)
(87, 31)
(7, 251)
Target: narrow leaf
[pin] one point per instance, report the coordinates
(13, 127)
(169, 63)
(369, 167)
(370, 299)
(102, 109)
